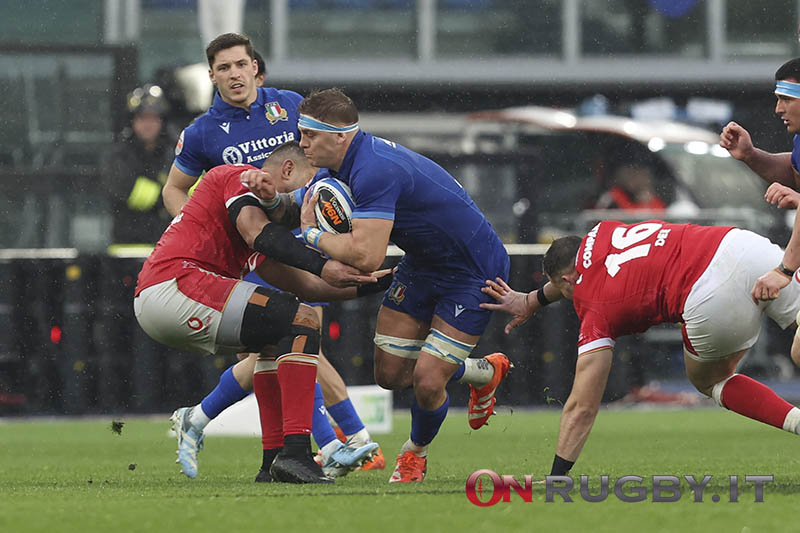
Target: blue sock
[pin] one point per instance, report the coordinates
(459, 372)
(425, 424)
(225, 394)
(345, 415)
(321, 427)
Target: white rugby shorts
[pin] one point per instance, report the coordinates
(172, 318)
(719, 314)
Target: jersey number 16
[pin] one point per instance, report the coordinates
(624, 239)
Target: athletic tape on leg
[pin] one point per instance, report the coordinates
(266, 365)
(405, 348)
(447, 348)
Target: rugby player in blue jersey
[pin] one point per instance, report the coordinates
(245, 124)
(430, 318)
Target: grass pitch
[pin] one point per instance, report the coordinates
(79, 476)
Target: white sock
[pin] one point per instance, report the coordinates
(477, 371)
(198, 418)
(792, 421)
(359, 438)
(716, 391)
(329, 448)
(409, 446)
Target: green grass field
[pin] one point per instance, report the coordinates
(66, 476)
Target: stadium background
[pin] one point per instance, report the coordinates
(68, 340)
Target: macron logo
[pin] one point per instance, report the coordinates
(226, 127)
(459, 309)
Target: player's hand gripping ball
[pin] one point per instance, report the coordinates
(334, 209)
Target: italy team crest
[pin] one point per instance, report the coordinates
(397, 292)
(275, 112)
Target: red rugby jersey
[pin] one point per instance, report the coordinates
(635, 276)
(202, 235)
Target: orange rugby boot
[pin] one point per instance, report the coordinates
(376, 462)
(410, 467)
(482, 400)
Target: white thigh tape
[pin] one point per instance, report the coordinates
(446, 348)
(266, 365)
(405, 348)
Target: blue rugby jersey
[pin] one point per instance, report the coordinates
(796, 153)
(436, 222)
(227, 134)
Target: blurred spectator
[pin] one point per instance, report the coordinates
(138, 170)
(631, 190)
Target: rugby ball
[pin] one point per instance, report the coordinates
(334, 209)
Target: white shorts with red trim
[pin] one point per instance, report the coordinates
(720, 316)
(171, 317)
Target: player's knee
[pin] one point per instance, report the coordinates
(304, 333)
(389, 380)
(306, 317)
(428, 385)
(700, 383)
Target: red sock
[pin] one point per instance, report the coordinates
(268, 395)
(297, 373)
(754, 400)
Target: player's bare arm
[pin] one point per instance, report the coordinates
(176, 190)
(312, 288)
(281, 206)
(278, 243)
(768, 286)
(522, 305)
(580, 409)
(771, 167)
(363, 248)
(287, 213)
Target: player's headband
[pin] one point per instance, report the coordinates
(787, 88)
(311, 123)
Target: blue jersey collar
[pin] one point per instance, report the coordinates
(350, 156)
(222, 108)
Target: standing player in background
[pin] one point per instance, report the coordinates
(623, 279)
(430, 319)
(189, 295)
(244, 125)
(261, 69)
(783, 167)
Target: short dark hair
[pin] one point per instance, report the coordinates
(288, 150)
(225, 41)
(262, 66)
(330, 105)
(790, 69)
(561, 255)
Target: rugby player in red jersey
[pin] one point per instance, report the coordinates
(623, 279)
(190, 296)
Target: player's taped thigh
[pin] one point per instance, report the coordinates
(303, 334)
(405, 348)
(446, 348)
(268, 317)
